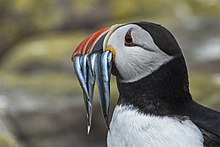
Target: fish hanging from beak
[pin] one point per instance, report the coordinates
(92, 61)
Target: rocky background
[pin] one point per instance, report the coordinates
(41, 103)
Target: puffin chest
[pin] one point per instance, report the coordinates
(130, 128)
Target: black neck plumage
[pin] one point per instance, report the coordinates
(161, 92)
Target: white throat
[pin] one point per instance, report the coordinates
(130, 128)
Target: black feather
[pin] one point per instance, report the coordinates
(165, 92)
(161, 92)
(206, 119)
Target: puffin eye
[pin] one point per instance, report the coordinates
(128, 39)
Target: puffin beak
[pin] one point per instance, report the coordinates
(92, 61)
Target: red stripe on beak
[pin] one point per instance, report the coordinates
(86, 46)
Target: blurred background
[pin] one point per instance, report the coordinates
(41, 103)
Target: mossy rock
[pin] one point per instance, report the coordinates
(205, 89)
(7, 140)
(42, 64)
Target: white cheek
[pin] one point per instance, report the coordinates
(134, 63)
(137, 63)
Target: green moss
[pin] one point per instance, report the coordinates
(43, 83)
(205, 90)
(48, 49)
(204, 8)
(7, 141)
(53, 48)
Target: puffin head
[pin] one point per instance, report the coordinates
(129, 51)
(139, 49)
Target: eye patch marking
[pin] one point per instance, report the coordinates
(129, 39)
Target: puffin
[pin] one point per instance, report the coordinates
(155, 107)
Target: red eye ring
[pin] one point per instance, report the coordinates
(128, 40)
